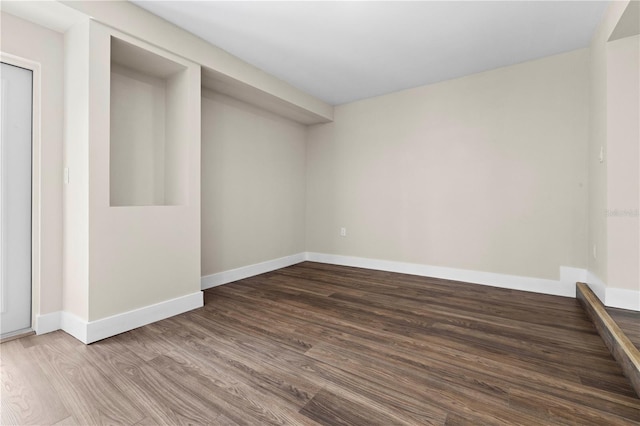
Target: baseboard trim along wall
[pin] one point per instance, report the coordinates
(623, 299)
(613, 297)
(566, 286)
(48, 322)
(596, 285)
(116, 324)
(231, 275)
(89, 332)
(92, 331)
(74, 325)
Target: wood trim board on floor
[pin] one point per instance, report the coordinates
(622, 349)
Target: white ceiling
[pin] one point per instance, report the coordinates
(345, 51)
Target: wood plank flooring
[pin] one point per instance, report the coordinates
(619, 345)
(629, 322)
(320, 344)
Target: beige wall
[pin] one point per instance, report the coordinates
(253, 185)
(614, 181)
(150, 254)
(623, 154)
(137, 138)
(598, 254)
(75, 227)
(597, 257)
(486, 172)
(35, 43)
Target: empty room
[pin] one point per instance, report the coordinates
(320, 212)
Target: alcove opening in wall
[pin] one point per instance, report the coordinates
(148, 122)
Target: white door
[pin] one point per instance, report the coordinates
(15, 200)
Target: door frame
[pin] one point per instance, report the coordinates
(33, 66)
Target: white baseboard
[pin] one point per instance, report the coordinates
(61, 320)
(48, 322)
(566, 286)
(569, 276)
(596, 285)
(231, 275)
(614, 297)
(74, 325)
(623, 299)
(88, 332)
(116, 324)
(92, 331)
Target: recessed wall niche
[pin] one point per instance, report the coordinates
(149, 107)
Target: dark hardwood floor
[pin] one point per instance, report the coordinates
(629, 322)
(320, 344)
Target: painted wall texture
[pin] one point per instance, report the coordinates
(486, 172)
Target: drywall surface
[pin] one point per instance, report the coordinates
(487, 172)
(75, 291)
(597, 248)
(598, 161)
(253, 185)
(137, 133)
(38, 44)
(140, 255)
(137, 22)
(623, 149)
